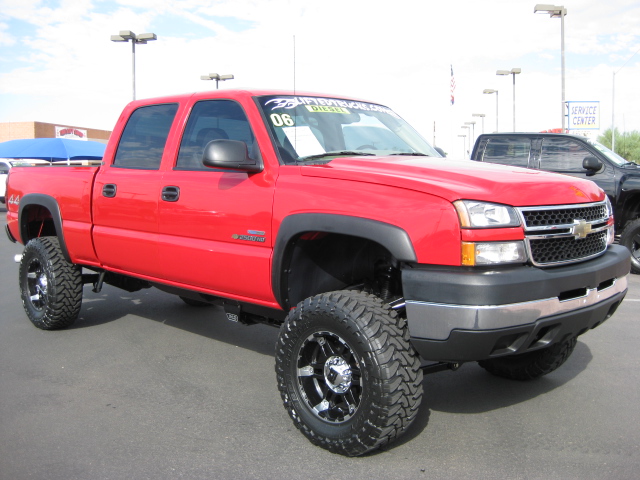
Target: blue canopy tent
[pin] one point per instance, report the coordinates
(52, 149)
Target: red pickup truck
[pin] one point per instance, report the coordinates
(333, 220)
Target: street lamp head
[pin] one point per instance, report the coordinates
(469, 123)
(217, 77)
(126, 35)
(552, 10)
(503, 72)
(478, 115)
(146, 37)
(489, 90)
(516, 70)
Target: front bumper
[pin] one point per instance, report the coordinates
(465, 314)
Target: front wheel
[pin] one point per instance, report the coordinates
(531, 365)
(50, 286)
(347, 373)
(630, 238)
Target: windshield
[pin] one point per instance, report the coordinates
(316, 129)
(614, 157)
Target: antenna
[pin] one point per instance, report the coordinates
(294, 65)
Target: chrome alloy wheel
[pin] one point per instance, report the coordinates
(329, 377)
(37, 284)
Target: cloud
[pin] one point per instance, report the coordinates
(63, 68)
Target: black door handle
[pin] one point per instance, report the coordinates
(109, 190)
(170, 194)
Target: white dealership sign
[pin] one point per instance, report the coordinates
(70, 132)
(584, 115)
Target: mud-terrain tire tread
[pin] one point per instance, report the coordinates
(630, 232)
(63, 299)
(393, 369)
(531, 365)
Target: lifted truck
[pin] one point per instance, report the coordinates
(333, 220)
(579, 157)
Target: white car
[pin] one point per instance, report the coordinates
(4, 173)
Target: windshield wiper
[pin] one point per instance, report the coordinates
(411, 154)
(335, 154)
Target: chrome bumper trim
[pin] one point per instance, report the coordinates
(436, 320)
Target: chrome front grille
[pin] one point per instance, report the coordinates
(567, 233)
(543, 217)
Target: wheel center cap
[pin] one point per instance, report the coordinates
(337, 374)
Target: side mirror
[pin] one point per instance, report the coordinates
(592, 165)
(231, 154)
(440, 151)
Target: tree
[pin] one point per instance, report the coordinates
(627, 144)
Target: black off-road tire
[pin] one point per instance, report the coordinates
(528, 366)
(347, 373)
(630, 238)
(50, 286)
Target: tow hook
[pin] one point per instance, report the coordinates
(440, 367)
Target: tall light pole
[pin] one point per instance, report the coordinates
(490, 91)
(481, 115)
(613, 104)
(556, 11)
(216, 77)
(468, 134)
(473, 133)
(513, 72)
(464, 144)
(125, 36)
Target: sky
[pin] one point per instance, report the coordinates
(58, 65)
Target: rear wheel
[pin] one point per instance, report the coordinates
(531, 365)
(50, 286)
(347, 373)
(630, 238)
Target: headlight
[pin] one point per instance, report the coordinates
(474, 214)
(491, 253)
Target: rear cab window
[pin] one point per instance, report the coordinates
(512, 151)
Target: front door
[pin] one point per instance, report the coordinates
(214, 224)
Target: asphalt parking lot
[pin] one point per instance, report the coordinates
(146, 387)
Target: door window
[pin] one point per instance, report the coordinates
(144, 136)
(213, 120)
(508, 151)
(562, 155)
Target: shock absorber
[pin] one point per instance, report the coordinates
(385, 276)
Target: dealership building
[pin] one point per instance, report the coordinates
(20, 130)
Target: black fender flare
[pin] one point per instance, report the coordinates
(51, 204)
(391, 237)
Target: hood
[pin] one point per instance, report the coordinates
(462, 180)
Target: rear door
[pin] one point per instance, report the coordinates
(126, 194)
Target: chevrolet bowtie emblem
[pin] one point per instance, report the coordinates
(580, 229)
